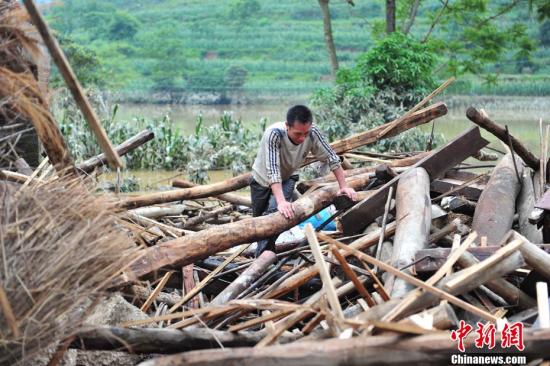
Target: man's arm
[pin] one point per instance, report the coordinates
(283, 206)
(344, 189)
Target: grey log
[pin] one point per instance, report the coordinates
(413, 224)
(495, 210)
(525, 205)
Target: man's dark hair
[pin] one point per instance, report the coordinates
(299, 113)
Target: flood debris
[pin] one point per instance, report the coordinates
(434, 243)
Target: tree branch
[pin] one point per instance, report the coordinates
(436, 21)
(412, 17)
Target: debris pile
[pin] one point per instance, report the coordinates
(435, 243)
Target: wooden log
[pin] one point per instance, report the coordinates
(72, 83)
(422, 116)
(201, 191)
(159, 211)
(413, 224)
(483, 121)
(512, 294)
(398, 163)
(430, 349)
(525, 205)
(495, 209)
(189, 284)
(245, 279)
(13, 176)
(233, 198)
(132, 143)
(468, 284)
(537, 258)
(199, 219)
(190, 248)
(166, 341)
(455, 151)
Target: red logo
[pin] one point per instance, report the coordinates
(511, 335)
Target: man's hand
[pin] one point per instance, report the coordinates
(286, 209)
(350, 192)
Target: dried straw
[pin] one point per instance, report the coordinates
(60, 246)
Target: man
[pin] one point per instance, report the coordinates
(283, 150)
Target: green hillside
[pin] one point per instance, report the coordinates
(250, 48)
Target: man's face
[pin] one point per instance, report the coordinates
(298, 132)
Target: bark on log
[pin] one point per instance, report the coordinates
(496, 207)
(422, 116)
(483, 121)
(455, 151)
(413, 224)
(203, 191)
(429, 349)
(190, 248)
(399, 163)
(159, 211)
(152, 340)
(525, 205)
(245, 279)
(233, 198)
(132, 143)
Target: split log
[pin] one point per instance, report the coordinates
(201, 191)
(245, 279)
(483, 121)
(413, 224)
(233, 198)
(495, 209)
(132, 143)
(199, 219)
(525, 205)
(190, 248)
(152, 340)
(429, 349)
(447, 156)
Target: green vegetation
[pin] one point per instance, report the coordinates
(149, 51)
(226, 145)
(386, 81)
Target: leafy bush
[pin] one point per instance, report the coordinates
(386, 81)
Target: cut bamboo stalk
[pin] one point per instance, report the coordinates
(72, 82)
(156, 291)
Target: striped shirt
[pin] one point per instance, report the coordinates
(278, 158)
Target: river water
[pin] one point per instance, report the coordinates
(521, 114)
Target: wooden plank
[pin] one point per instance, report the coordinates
(323, 272)
(72, 82)
(444, 158)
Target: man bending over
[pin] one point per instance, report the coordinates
(283, 150)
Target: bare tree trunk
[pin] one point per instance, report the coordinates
(412, 16)
(390, 16)
(327, 27)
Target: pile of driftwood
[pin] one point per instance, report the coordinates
(436, 242)
(436, 238)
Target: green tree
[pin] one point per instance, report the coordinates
(243, 10)
(235, 77)
(123, 26)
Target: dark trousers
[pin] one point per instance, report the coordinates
(264, 203)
